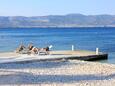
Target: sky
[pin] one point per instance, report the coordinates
(56, 7)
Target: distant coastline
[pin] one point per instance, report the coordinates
(58, 21)
(52, 27)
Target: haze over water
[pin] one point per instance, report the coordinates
(61, 39)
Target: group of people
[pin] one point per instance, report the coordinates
(31, 49)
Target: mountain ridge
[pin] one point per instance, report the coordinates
(69, 20)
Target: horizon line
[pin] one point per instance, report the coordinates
(57, 15)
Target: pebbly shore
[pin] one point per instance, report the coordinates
(57, 73)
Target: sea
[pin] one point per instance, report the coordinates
(83, 38)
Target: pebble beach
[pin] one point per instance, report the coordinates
(57, 73)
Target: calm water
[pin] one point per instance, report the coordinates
(61, 39)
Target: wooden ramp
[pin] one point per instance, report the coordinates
(8, 57)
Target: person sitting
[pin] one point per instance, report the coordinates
(35, 50)
(32, 49)
(20, 48)
(44, 51)
(47, 48)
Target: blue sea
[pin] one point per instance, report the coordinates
(61, 39)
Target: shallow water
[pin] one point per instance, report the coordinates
(61, 39)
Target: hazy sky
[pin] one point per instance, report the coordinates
(55, 7)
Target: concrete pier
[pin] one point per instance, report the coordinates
(82, 55)
(53, 55)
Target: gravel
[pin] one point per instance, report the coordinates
(57, 73)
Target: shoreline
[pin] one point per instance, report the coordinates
(44, 27)
(81, 27)
(50, 73)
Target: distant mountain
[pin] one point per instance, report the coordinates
(70, 20)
